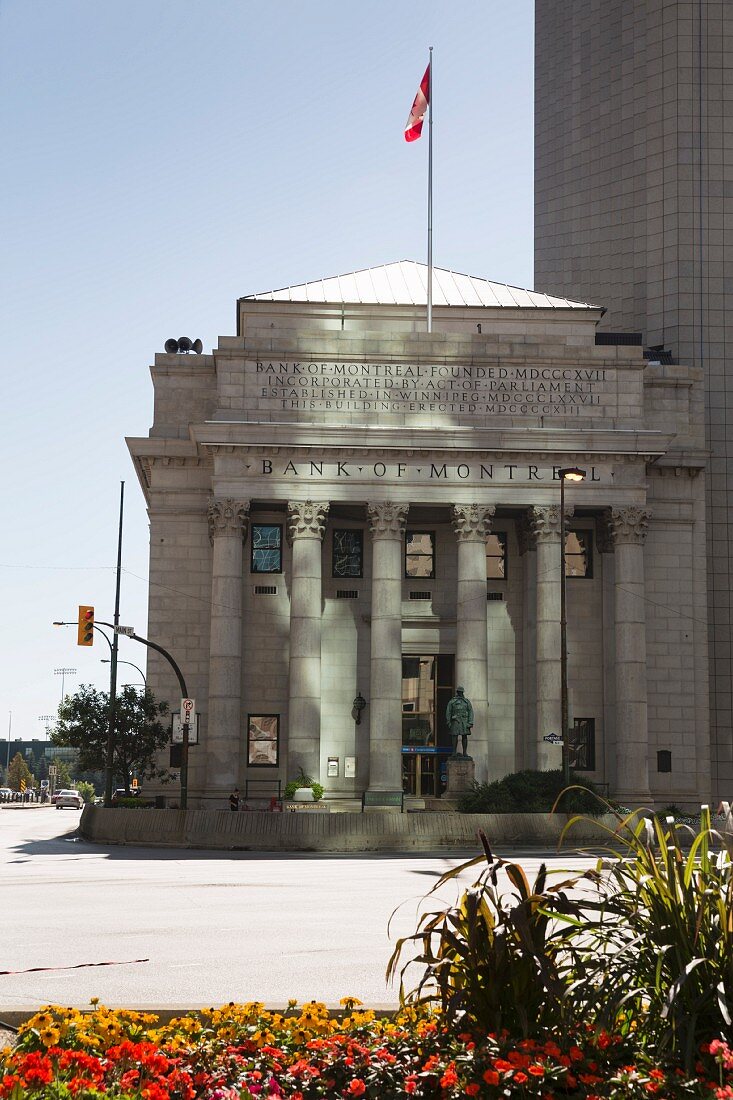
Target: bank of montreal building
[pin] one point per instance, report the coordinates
(344, 507)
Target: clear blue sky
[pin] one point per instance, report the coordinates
(161, 158)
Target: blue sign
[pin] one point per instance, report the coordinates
(424, 750)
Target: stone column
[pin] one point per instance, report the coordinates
(628, 531)
(228, 531)
(471, 524)
(306, 526)
(545, 528)
(387, 525)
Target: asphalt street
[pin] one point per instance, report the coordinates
(211, 926)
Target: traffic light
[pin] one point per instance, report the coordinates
(86, 626)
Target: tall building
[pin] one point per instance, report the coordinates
(351, 518)
(634, 210)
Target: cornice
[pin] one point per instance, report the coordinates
(526, 441)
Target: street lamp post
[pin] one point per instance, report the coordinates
(104, 661)
(570, 473)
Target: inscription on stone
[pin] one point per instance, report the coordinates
(430, 388)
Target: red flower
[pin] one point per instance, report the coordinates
(536, 1070)
(491, 1077)
(521, 1078)
(474, 1089)
(154, 1092)
(502, 1065)
(411, 1084)
(450, 1077)
(356, 1087)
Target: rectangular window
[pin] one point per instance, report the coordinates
(583, 745)
(496, 556)
(420, 554)
(348, 553)
(579, 554)
(267, 554)
(263, 740)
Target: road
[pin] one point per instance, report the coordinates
(210, 926)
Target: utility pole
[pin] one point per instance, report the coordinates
(109, 765)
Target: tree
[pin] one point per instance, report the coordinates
(17, 770)
(83, 723)
(63, 775)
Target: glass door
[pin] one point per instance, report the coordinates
(427, 685)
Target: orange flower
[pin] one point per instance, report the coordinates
(356, 1087)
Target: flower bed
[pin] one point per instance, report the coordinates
(240, 1052)
(614, 983)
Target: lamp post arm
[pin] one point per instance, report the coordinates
(184, 695)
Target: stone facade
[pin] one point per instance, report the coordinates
(633, 198)
(343, 504)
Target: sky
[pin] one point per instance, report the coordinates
(160, 159)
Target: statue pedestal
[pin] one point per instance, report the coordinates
(461, 775)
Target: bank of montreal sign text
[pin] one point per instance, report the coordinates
(415, 472)
(435, 387)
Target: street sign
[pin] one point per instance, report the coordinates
(188, 709)
(51, 770)
(128, 631)
(553, 738)
(44, 784)
(177, 729)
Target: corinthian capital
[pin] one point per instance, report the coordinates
(629, 524)
(387, 519)
(228, 517)
(472, 522)
(307, 519)
(544, 522)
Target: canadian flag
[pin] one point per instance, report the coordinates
(413, 127)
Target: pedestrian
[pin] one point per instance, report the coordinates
(234, 799)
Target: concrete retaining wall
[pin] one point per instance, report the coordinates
(260, 831)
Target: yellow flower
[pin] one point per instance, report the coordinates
(50, 1036)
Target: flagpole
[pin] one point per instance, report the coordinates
(430, 193)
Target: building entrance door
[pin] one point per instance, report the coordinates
(428, 682)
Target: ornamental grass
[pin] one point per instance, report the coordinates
(614, 983)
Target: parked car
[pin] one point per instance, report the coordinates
(5, 794)
(69, 798)
(122, 793)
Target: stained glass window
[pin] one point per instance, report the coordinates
(579, 554)
(263, 740)
(348, 553)
(496, 556)
(420, 554)
(267, 555)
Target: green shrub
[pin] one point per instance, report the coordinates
(532, 792)
(498, 959)
(658, 942)
(304, 780)
(86, 790)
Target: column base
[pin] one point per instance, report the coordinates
(633, 799)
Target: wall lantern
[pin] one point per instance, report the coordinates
(358, 705)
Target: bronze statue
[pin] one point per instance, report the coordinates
(459, 716)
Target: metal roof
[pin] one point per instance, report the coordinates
(405, 283)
